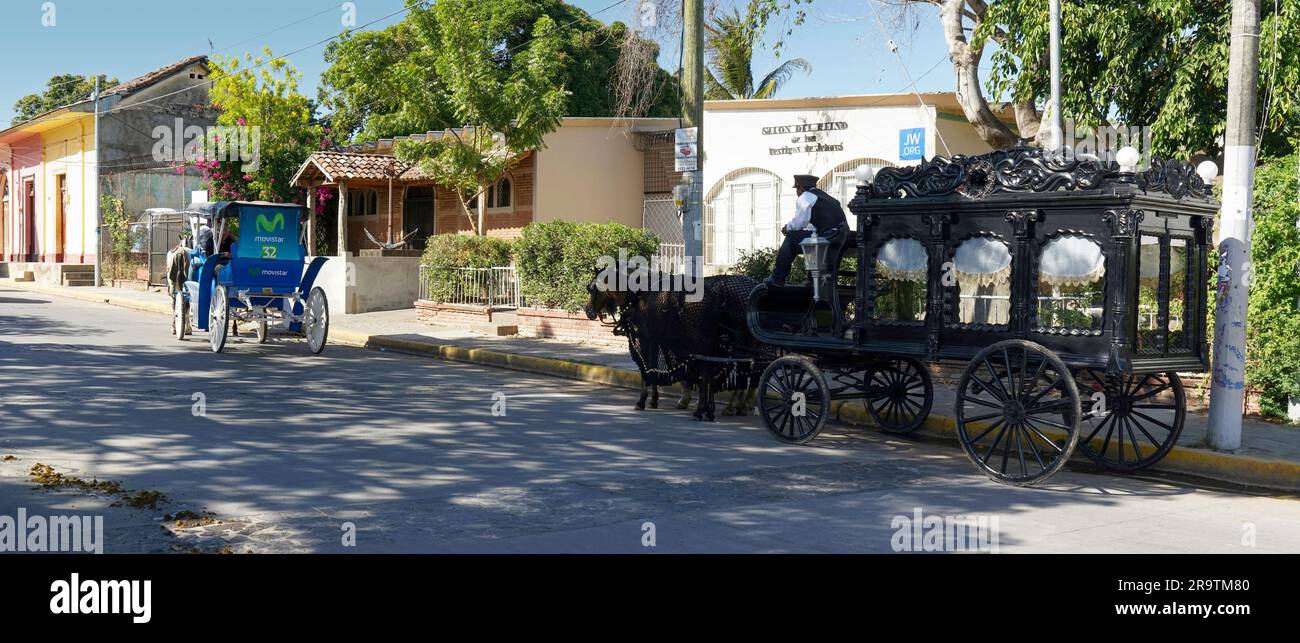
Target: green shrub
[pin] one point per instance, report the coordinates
(1273, 316)
(444, 253)
(557, 259)
(758, 264)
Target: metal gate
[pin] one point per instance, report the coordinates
(661, 217)
(164, 230)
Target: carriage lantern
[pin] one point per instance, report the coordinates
(814, 253)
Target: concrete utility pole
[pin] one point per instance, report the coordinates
(693, 116)
(99, 221)
(1235, 224)
(1057, 122)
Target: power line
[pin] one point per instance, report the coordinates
(210, 81)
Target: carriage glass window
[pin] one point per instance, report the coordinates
(981, 274)
(1148, 308)
(1071, 284)
(1178, 300)
(900, 280)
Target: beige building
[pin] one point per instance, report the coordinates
(597, 170)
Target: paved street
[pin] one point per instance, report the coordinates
(290, 447)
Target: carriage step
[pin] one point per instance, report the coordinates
(78, 282)
(25, 276)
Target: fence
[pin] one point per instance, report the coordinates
(124, 251)
(488, 287)
(137, 250)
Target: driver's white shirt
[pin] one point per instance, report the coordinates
(802, 219)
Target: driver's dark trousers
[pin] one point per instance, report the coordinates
(790, 248)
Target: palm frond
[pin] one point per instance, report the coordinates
(772, 83)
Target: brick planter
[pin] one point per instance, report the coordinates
(558, 324)
(452, 313)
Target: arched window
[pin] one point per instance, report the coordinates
(1071, 283)
(742, 213)
(842, 182)
(899, 284)
(501, 193)
(981, 268)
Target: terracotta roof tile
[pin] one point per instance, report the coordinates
(352, 166)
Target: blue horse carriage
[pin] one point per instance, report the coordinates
(247, 263)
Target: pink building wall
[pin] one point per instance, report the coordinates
(25, 164)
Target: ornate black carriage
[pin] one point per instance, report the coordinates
(1073, 291)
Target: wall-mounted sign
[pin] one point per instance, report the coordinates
(806, 138)
(686, 150)
(911, 144)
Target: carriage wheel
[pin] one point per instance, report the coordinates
(218, 319)
(794, 399)
(317, 323)
(180, 316)
(260, 328)
(1133, 414)
(904, 394)
(1018, 412)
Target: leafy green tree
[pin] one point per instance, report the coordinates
(505, 90)
(730, 47)
(262, 93)
(1162, 63)
(60, 90)
(382, 84)
(386, 83)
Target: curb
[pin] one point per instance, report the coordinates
(1183, 460)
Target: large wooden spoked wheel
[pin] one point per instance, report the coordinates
(794, 399)
(218, 319)
(1018, 412)
(180, 316)
(316, 326)
(899, 394)
(1140, 422)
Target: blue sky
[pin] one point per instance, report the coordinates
(126, 38)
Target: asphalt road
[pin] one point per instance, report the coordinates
(290, 449)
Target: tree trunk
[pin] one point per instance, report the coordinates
(482, 210)
(965, 64)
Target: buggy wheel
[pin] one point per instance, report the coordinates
(259, 327)
(794, 399)
(180, 316)
(901, 394)
(316, 326)
(1139, 411)
(218, 319)
(1018, 412)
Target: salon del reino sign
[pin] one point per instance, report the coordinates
(806, 138)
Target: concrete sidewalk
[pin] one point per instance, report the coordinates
(1270, 459)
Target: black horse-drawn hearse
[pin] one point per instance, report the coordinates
(1073, 290)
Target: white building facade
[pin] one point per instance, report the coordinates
(753, 149)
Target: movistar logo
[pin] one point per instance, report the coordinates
(254, 271)
(270, 225)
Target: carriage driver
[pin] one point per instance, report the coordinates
(814, 210)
